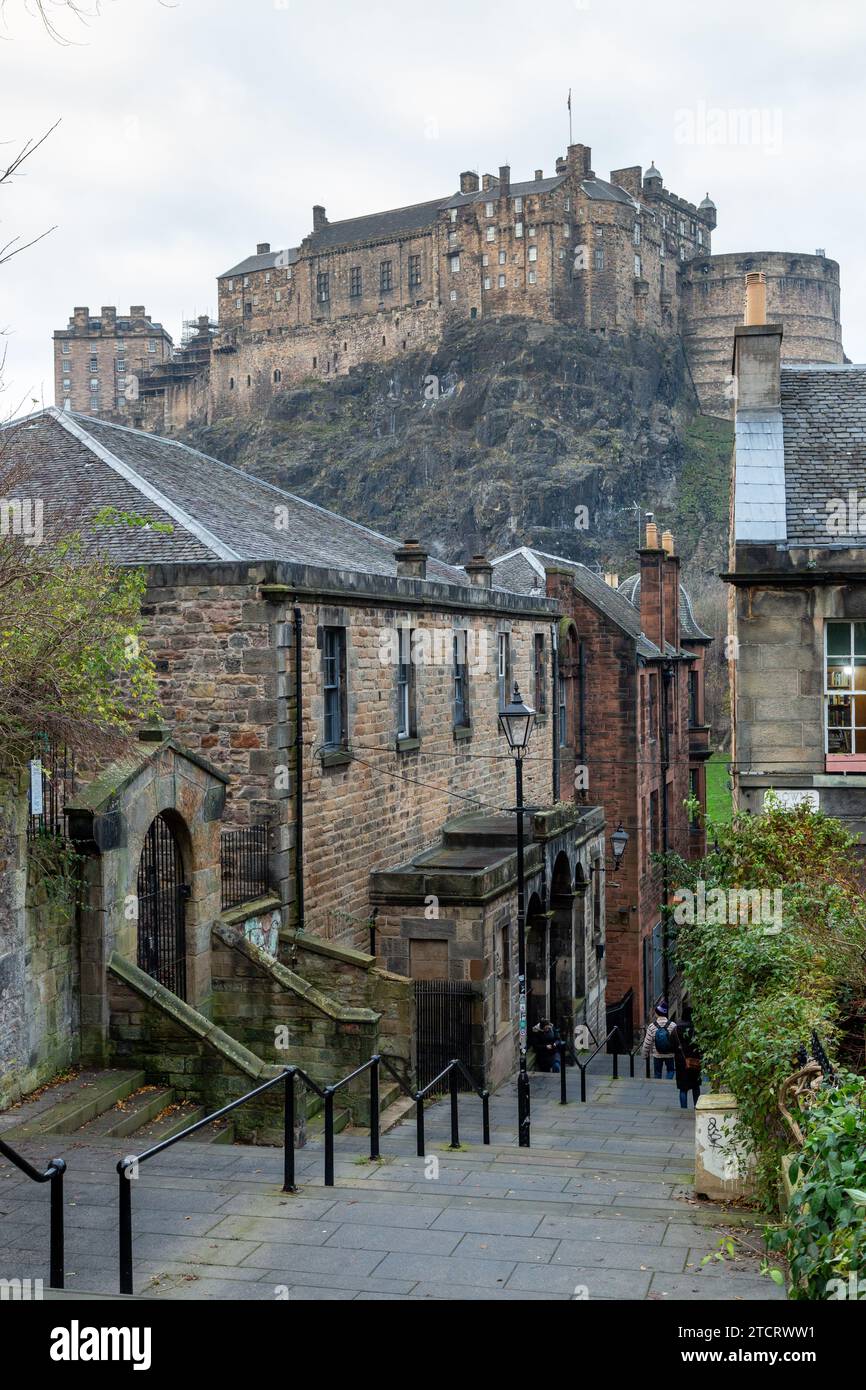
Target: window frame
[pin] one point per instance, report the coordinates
(460, 675)
(856, 698)
(386, 276)
(334, 691)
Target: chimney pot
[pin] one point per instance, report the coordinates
(652, 536)
(411, 560)
(611, 580)
(756, 299)
(668, 542)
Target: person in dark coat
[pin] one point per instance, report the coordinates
(687, 1064)
(545, 1040)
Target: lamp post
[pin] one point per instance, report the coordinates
(517, 721)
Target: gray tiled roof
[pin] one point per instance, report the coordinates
(606, 192)
(376, 226)
(759, 492)
(515, 190)
(517, 572)
(690, 629)
(79, 465)
(824, 420)
(268, 260)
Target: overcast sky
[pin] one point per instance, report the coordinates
(192, 130)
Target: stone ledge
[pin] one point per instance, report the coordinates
(287, 980)
(346, 954)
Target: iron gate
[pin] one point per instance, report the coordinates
(162, 896)
(443, 1024)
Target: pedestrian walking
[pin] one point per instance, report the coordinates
(545, 1040)
(659, 1041)
(687, 1061)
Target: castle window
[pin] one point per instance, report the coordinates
(334, 686)
(461, 702)
(323, 287)
(267, 277)
(491, 233)
(598, 259)
(533, 253)
(488, 209)
(532, 277)
(231, 285)
(567, 204)
(453, 214)
(566, 229)
(518, 204)
(502, 258)
(485, 259)
(487, 282)
(65, 347)
(238, 304)
(455, 264)
(66, 384)
(637, 234)
(249, 380)
(502, 282)
(406, 719)
(246, 281)
(518, 229)
(414, 271)
(94, 383)
(531, 231)
(151, 345)
(386, 276)
(315, 362)
(278, 296)
(231, 383)
(278, 376)
(453, 296)
(637, 267)
(452, 238)
(661, 250)
(255, 299)
(599, 233)
(356, 283)
(682, 226)
(94, 364)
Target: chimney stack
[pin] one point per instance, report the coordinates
(411, 560)
(611, 580)
(469, 181)
(319, 218)
(652, 606)
(539, 175)
(504, 180)
(263, 248)
(109, 317)
(480, 572)
(756, 299)
(136, 311)
(671, 589)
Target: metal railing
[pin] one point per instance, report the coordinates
(53, 1174)
(127, 1168)
(244, 872)
(566, 1049)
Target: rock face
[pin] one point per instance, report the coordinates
(512, 432)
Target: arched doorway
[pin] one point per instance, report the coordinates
(162, 895)
(562, 987)
(536, 963)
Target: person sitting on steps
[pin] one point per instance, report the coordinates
(660, 1041)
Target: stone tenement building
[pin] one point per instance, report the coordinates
(99, 361)
(631, 733)
(608, 255)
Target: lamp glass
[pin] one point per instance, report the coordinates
(517, 721)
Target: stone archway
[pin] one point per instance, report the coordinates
(162, 893)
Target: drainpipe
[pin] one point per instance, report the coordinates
(665, 763)
(582, 701)
(299, 774)
(554, 722)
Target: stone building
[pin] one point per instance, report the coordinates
(802, 294)
(797, 608)
(630, 732)
(99, 361)
(348, 689)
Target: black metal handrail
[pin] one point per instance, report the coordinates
(53, 1174)
(452, 1070)
(567, 1048)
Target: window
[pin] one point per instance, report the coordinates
(94, 364)
(503, 974)
(503, 257)
(151, 345)
(540, 674)
(599, 233)
(267, 277)
(66, 383)
(461, 702)
(503, 671)
(278, 376)
(567, 203)
(414, 271)
(491, 233)
(652, 706)
(694, 707)
(246, 281)
(518, 229)
(637, 268)
(453, 296)
(278, 296)
(355, 282)
(845, 688)
(65, 347)
(637, 234)
(94, 383)
(653, 835)
(694, 795)
(255, 299)
(452, 238)
(452, 213)
(334, 682)
(487, 282)
(661, 250)
(532, 277)
(323, 287)
(238, 304)
(566, 229)
(405, 687)
(485, 259)
(682, 226)
(455, 265)
(598, 258)
(488, 209)
(518, 204)
(533, 253)
(386, 276)
(502, 282)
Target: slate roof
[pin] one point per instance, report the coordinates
(516, 190)
(523, 571)
(824, 422)
(690, 629)
(606, 192)
(376, 226)
(79, 465)
(268, 260)
(759, 494)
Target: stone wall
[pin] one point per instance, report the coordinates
(14, 1058)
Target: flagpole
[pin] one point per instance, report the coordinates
(570, 133)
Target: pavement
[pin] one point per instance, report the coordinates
(600, 1207)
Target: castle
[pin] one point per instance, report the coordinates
(607, 255)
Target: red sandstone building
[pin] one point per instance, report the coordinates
(629, 708)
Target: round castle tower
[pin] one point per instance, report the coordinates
(802, 295)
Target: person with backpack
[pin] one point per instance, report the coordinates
(687, 1060)
(660, 1041)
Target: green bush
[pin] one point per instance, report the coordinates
(824, 1238)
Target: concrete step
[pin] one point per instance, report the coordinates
(128, 1116)
(81, 1102)
(175, 1116)
(342, 1120)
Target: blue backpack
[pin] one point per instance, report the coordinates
(663, 1040)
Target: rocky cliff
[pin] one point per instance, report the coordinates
(512, 432)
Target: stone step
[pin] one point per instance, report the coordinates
(81, 1103)
(174, 1118)
(128, 1116)
(316, 1125)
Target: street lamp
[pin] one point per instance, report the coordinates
(517, 721)
(619, 841)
